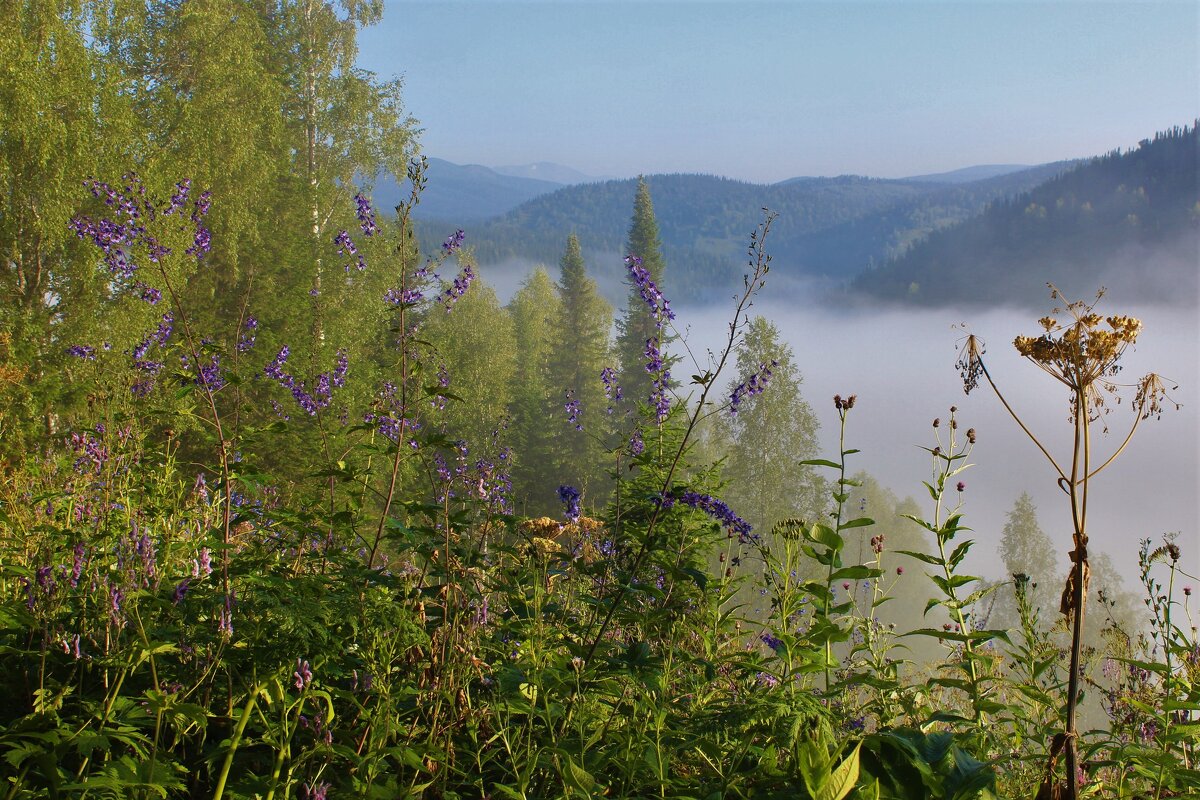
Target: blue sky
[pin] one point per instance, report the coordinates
(771, 90)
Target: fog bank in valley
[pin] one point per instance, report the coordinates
(901, 364)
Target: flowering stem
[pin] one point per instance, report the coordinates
(751, 283)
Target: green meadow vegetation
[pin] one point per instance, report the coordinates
(293, 509)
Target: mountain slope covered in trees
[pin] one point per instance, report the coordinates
(1129, 221)
(827, 227)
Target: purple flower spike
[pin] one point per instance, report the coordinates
(458, 288)
(572, 409)
(722, 513)
(366, 215)
(454, 242)
(569, 495)
(658, 304)
(303, 674)
(754, 385)
(345, 244)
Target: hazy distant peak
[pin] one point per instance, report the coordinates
(970, 174)
(548, 171)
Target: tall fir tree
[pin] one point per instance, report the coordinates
(536, 313)
(580, 354)
(637, 324)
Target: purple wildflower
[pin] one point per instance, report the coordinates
(201, 243)
(180, 198)
(480, 617)
(82, 351)
(78, 552)
(316, 791)
(345, 244)
(202, 205)
(248, 336)
(406, 297)
(572, 409)
(204, 563)
(569, 495)
(766, 679)
(722, 513)
(754, 385)
(772, 641)
(659, 397)
(454, 242)
(658, 304)
(274, 370)
(303, 674)
(209, 375)
(225, 617)
(612, 390)
(366, 215)
(180, 590)
(457, 288)
(636, 444)
(151, 295)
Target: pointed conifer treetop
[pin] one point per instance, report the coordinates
(643, 234)
(637, 326)
(582, 353)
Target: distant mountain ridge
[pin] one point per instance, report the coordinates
(988, 233)
(827, 228)
(462, 193)
(1127, 221)
(549, 171)
(969, 174)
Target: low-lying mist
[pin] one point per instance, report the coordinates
(901, 364)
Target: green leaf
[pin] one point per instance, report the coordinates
(959, 553)
(700, 579)
(819, 462)
(855, 573)
(861, 522)
(823, 534)
(578, 778)
(843, 778)
(928, 559)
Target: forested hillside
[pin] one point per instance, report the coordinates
(1127, 220)
(827, 227)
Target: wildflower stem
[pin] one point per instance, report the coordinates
(219, 792)
(752, 283)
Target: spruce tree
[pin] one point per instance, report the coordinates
(637, 325)
(581, 353)
(536, 315)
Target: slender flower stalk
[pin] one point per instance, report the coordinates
(1081, 353)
